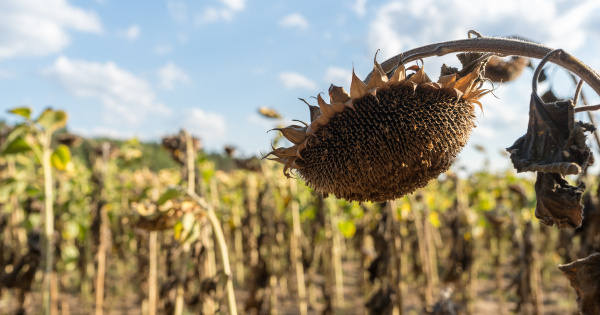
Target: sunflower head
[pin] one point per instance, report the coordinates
(385, 138)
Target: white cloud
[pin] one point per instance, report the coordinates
(360, 7)
(131, 33)
(125, 96)
(235, 5)
(40, 27)
(178, 11)
(212, 15)
(292, 80)
(555, 23)
(5, 74)
(170, 74)
(294, 20)
(163, 49)
(339, 76)
(209, 126)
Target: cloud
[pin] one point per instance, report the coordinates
(294, 20)
(170, 74)
(360, 7)
(5, 74)
(163, 49)
(40, 27)
(552, 22)
(212, 15)
(235, 5)
(209, 126)
(131, 33)
(339, 76)
(292, 80)
(178, 11)
(126, 97)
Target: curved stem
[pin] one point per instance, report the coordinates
(500, 47)
(216, 225)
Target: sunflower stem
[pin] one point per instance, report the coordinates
(587, 108)
(500, 47)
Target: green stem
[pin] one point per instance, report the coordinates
(48, 220)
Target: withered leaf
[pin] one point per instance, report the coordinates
(584, 275)
(554, 146)
(557, 201)
(554, 141)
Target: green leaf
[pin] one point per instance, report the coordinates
(168, 195)
(61, 157)
(11, 186)
(22, 111)
(6, 187)
(52, 120)
(347, 228)
(32, 191)
(177, 229)
(16, 146)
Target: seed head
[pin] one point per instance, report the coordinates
(385, 138)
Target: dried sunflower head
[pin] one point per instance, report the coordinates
(385, 138)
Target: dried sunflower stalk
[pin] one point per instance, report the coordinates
(554, 146)
(386, 138)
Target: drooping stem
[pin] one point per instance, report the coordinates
(578, 92)
(216, 225)
(500, 47)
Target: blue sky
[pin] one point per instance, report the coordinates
(148, 68)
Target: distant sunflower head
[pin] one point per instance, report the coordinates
(385, 138)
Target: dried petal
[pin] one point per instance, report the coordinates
(378, 77)
(358, 88)
(399, 74)
(338, 94)
(420, 76)
(326, 109)
(296, 134)
(315, 111)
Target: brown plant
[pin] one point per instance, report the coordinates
(388, 137)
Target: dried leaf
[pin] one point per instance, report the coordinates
(554, 146)
(557, 201)
(553, 138)
(584, 275)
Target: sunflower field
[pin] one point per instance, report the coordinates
(126, 240)
(370, 217)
